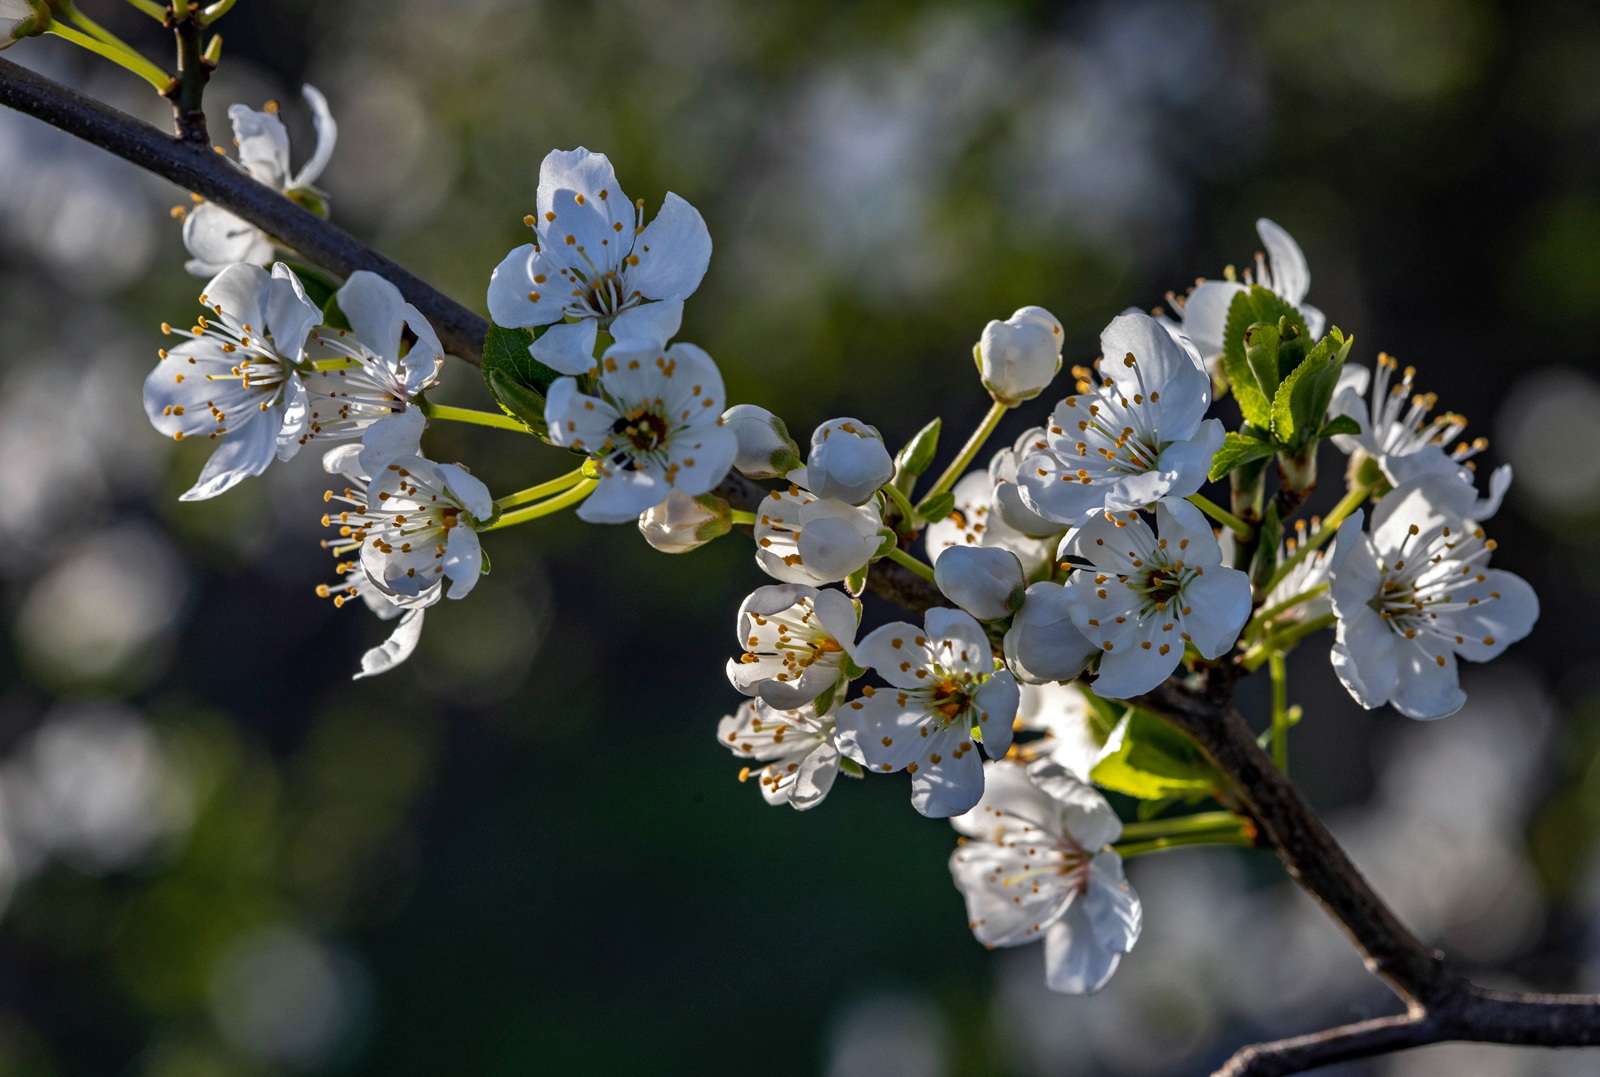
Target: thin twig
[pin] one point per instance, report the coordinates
(197, 168)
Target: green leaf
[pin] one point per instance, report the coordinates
(933, 509)
(518, 381)
(917, 455)
(1150, 760)
(1302, 400)
(1339, 424)
(1104, 715)
(1261, 355)
(1237, 450)
(1254, 304)
(318, 285)
(332, 316)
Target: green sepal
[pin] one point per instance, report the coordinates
(935, 508)
(856, 583)
(1255, 304)
(889, 541)
(483, 563)
(850, 671)
(1150, 760)
(824, 699)
(1237, 450)
(916, 456)
(311, 198)
(850, 766)
(1265, 562)
(1339, 424)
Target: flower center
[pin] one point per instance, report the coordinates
(644, 430)
(950, 698)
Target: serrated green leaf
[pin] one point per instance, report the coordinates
(1152, 761)
(1339, 424)
(1238, 450)
(1302, 400)
(1254, 304)
(1261, 355)
(518, 381)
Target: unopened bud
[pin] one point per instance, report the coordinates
(766, 451)
(917, 456)
(1043, 644)
(986, 581)
(848, 462)
(682, 523)
(1019, 357)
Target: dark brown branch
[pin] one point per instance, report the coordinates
(1441, 1005)
(887, 579)
(195, 167)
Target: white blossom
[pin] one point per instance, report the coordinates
(1019, 357)
(976, 522)
(1043, 644)
(798, 642)
(1039, 865)
(1416, 593)
(419, 528)
(596, 265)
(766, 451)
(802, 750)
(654, 426)
(1398, 435)
(362, 385)
(238, 376)
(848, 462)
(217, 238)
(682, 523)
(802, 538)
(1141, 436)
(944, 694)
(1005, 497)
(1146, 595)
(987, 582)
(353, 582)
(1204, 313)
(1064, 715)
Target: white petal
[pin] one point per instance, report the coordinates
(577, 420)
(396, 649)
(345, 460)
(216, 237)
(296, 410)
(1043, 644)
(1365, 657)
(1075, 960)
(995, 703)
(375, 310)
(1502, 620)
(896, 650)
(1162, 366)
(1113, 908)
(243, 453)
(463, 560)
(1205, 315)
(1428, 685)
(839, 617)
(385, 440)
(673, 252)
(263, 145)
(327, 134)
(950, 787)
(290, 313)
(1132, 668)
(567, 347)
(467, 490)
(511, 288)
(653, 322)
(623, 495)
(984, 581)
(581, 189)
(1291, 278)
(1217, 605)
(958, 642)
(242, 292)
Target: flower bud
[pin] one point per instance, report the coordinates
(917, 455)
(1007, 497)
(22, 18)
(986, 581)
(848, 462)
(766, 451)
(1043, 644)
(1019, 357)
(681, 523)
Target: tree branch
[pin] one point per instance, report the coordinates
(1441, 1005)
(195, 167)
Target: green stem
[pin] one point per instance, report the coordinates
(156, 11)
(1280, 712)
(1262, 618)
(1283, 641)
(1155, 845)
(1182, 824)
(739, 516)
(470, 415)
(545, 508)
(1222, 516)
(132, 61)
(215, 12)
(997, 411)
(1330, 527)
(899, 556)
(544, 489)
(908, 515)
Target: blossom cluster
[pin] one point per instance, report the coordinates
(1067, 577)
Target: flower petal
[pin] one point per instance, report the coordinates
(290, 312)
(673, 252)
(463, 560)
(217, 239)
(327, 135)
(951, 786)
(1365, 657)
(567, 347)
(995, 706)
(1428, 685)
(622, 495)
(263, 143)
(467, 490)
(376, 311)
(244, 452)
(396, 649)
(1205, 315)
(896, 650)
(517, 299)
(387, 439)
(1291, 277)
(1216, 607)
(654, 322)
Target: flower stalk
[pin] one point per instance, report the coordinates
(900, 557)
(1330, 526)
(472, 415)
(1280, 710)
(1222, 516)
(546, 508)
(544, 489)
(948, 478)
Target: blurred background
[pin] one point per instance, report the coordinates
(522, 851)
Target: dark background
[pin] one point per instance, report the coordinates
(522, 851)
